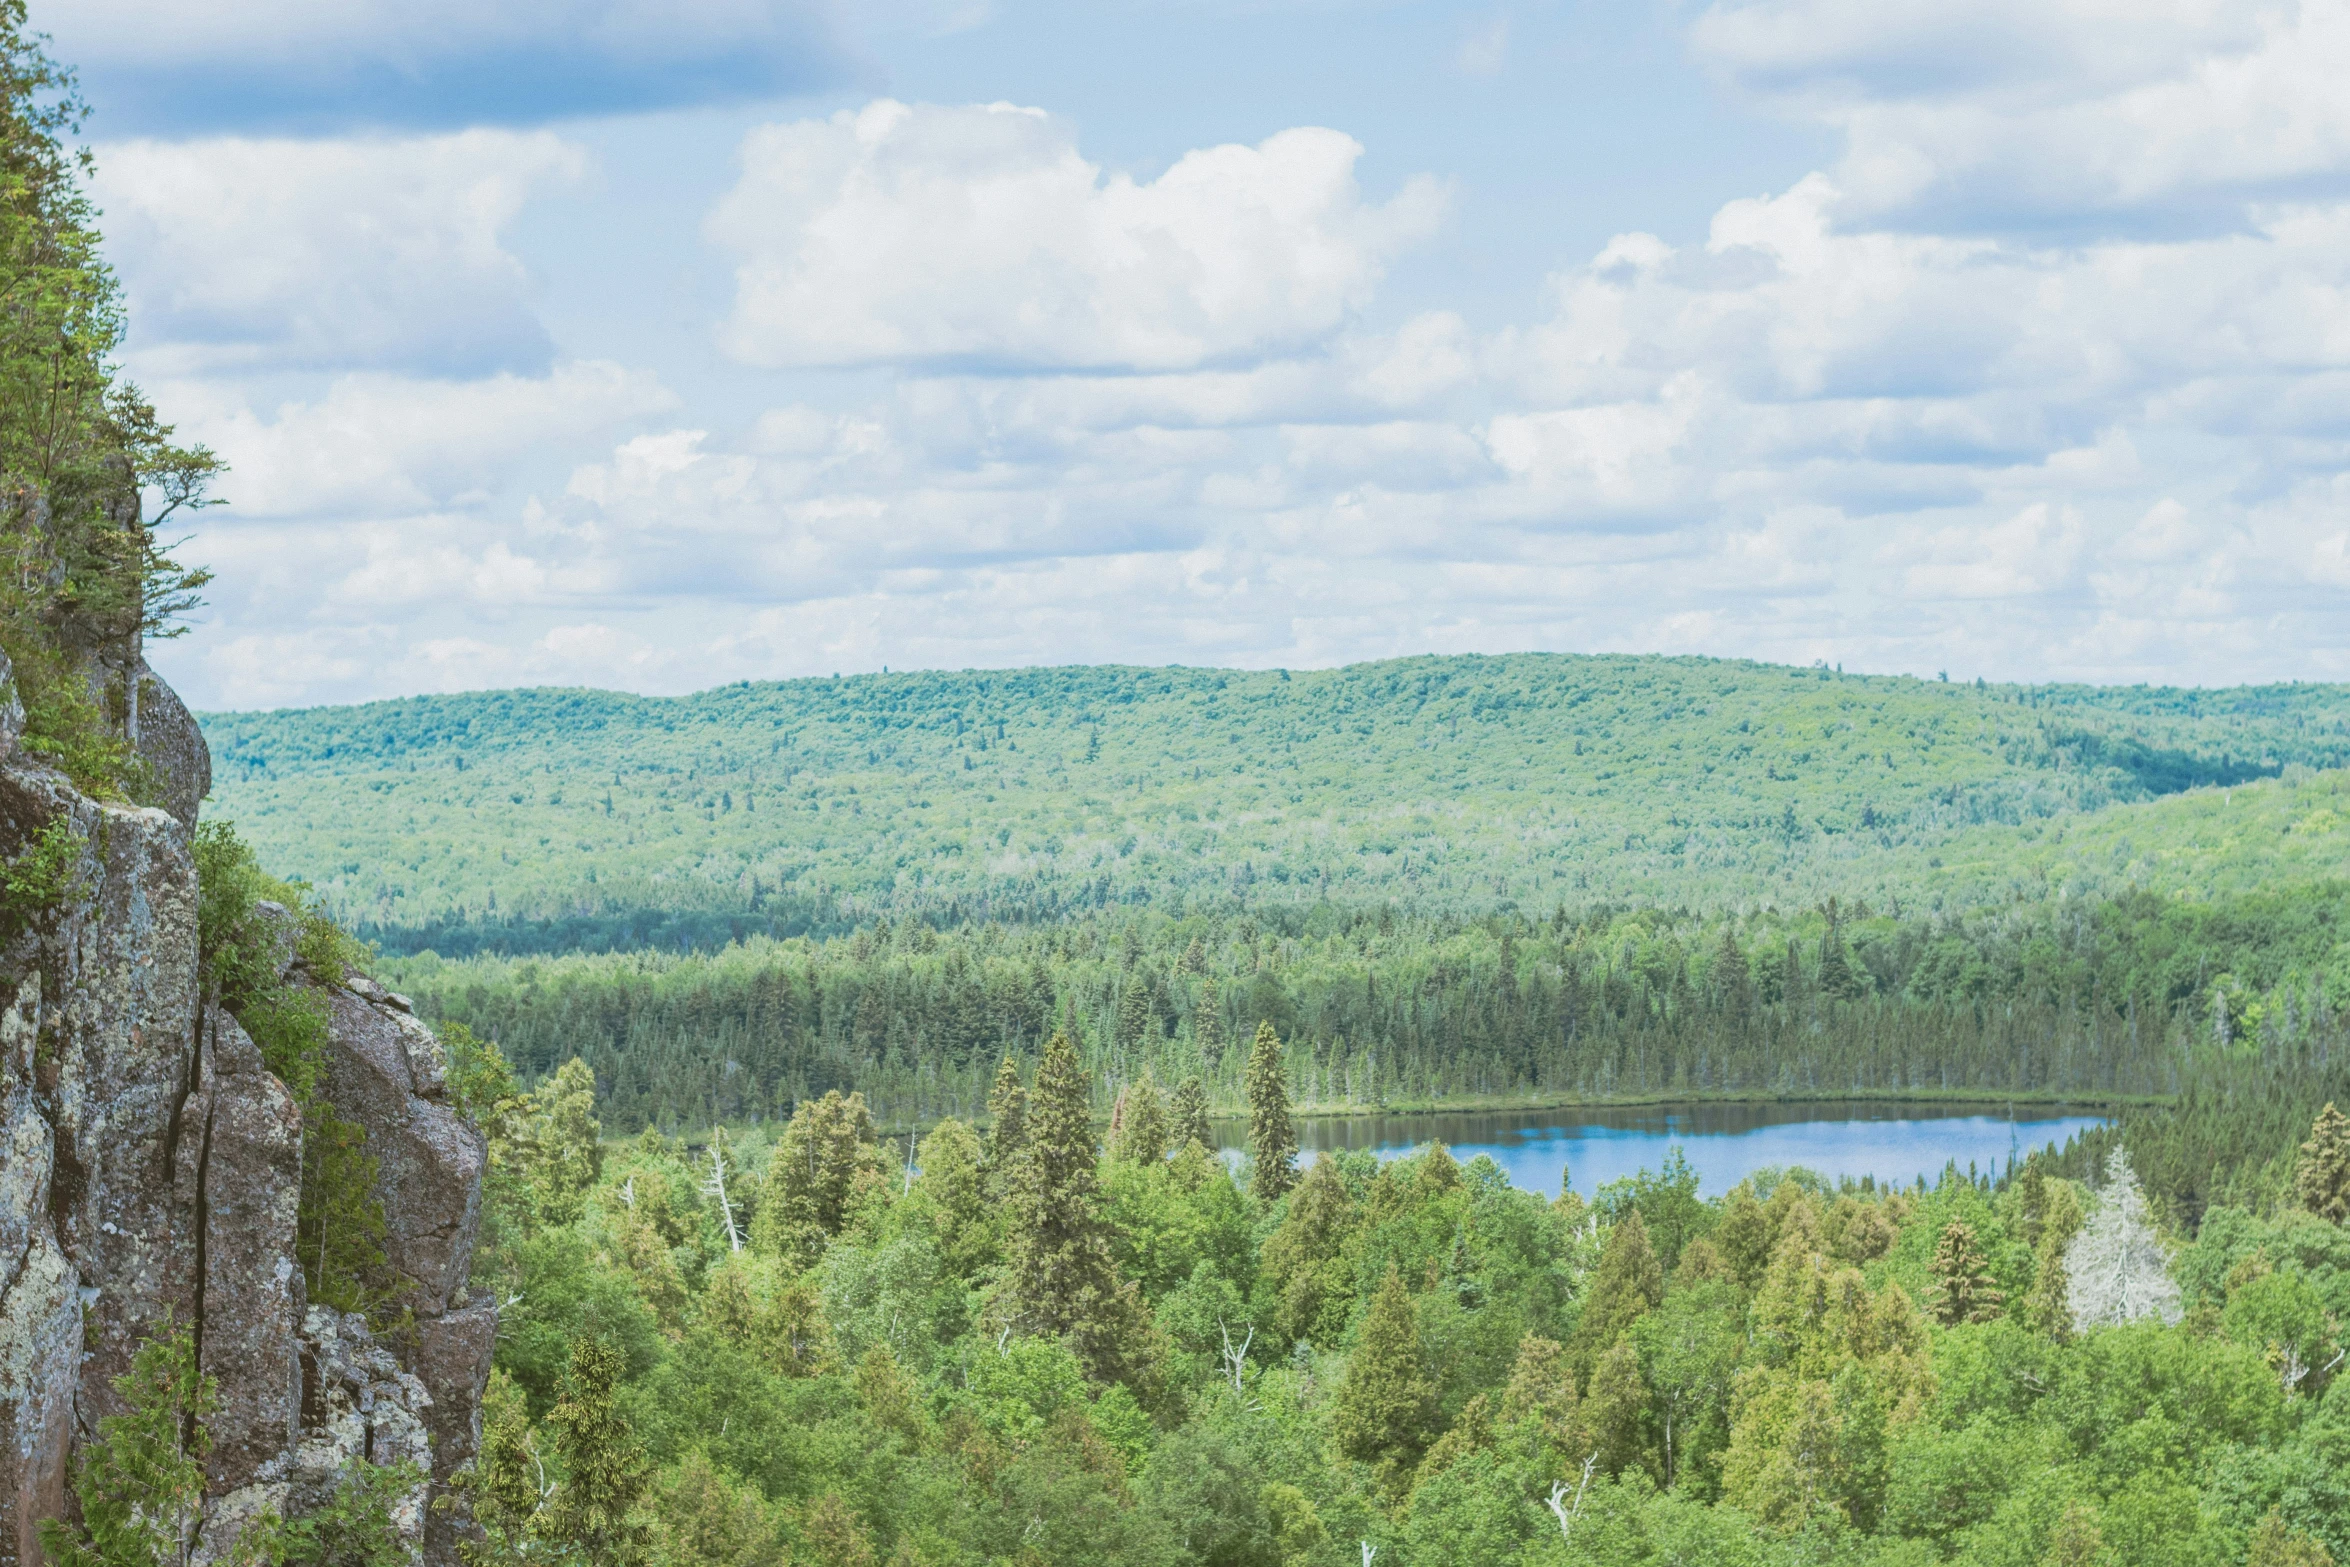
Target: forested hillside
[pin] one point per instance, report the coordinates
(555, 820)
(2242, 1004)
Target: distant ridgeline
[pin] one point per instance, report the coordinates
(559, 820)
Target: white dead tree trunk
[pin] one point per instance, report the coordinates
(1565, 1514)
(716, 1187)
(1235, 1360)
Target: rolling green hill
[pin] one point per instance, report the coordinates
(546, 819)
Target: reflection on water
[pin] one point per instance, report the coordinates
(1724, 1143)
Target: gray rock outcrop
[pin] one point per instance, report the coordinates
(150, 1178)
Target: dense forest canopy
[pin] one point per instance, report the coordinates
(743, 1324)
(549, 820)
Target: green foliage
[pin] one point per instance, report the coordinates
(1386, 1413)
(595, 1514)
(43, 875)
(1964, 1289)
(502, 1489)
(355, 1528)
(827, 1156)
(1060, 1279)
(561, 1143)
(1272, 1139)
(249, 928)
(2322, 1179)
(1444, 784)
(141, 1482)
(83, 574)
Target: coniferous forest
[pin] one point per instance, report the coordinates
(846, 1054)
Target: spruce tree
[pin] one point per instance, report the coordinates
(1963, 1290)
(1303, 1259)
(1137, 1019)
(1207, 1026)
(1387, 1411)
(2322, 1180)
(1060, 1279)
(826, 1155)
(1629, 1284)
(1615, 1411)
(1837, 978)
(1731, 980)
(1007, 1124)
(831, 1534)
(594, 1513)
(1143, 1139)
(1272, 1137)
(1188, 1119)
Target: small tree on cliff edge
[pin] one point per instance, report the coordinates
(1272, 1137)
(141, 1484)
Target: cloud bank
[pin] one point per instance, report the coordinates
(2047, 375)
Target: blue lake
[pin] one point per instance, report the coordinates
(1724, 1143)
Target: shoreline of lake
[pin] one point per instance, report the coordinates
(1724, 1141)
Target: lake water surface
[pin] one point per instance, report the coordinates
(1724, 1143)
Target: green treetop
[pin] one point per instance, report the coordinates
(826, 1155)
(1188, 1117)
(1629, 1284)
(2322, 1180)
(1964, 1290)
(141, 1483)
(1387, 1412)
(565, 1151)
(593, 1516)
(1061, 1279)
(1007, 1121)
(1143, 1138)
(1272, 1137)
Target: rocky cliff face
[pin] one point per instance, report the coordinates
(150, 1170)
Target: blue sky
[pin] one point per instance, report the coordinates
(654, 345)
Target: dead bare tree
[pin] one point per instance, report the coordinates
(1565, 1514)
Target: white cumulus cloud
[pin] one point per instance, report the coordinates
(903, 233)
(2062, 114)
(248, 253)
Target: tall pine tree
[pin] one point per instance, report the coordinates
(1189, 1117)
(827, 1155)
(1207, 1026)
(595, 1515)
(1143, 1139)
(1007, 1125)
(1060, 1280)
(1272, 1136)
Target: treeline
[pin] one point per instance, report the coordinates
(2241, 1005)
